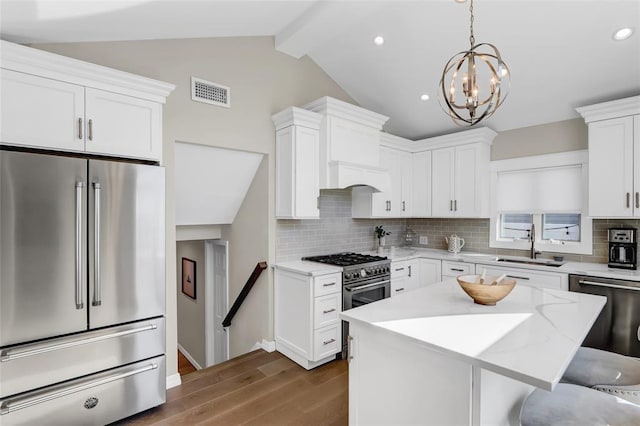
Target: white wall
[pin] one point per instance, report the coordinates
(263, 82)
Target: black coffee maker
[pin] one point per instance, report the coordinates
(623, 248)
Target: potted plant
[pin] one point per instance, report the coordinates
(380, 234)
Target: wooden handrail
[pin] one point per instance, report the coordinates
(261, 266)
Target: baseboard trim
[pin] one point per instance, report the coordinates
(173, 381)
(267, 345)
(188, 356)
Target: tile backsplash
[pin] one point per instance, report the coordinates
(336, 231)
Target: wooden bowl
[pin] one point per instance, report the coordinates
(484, 294)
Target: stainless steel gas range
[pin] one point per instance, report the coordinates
(365, 279)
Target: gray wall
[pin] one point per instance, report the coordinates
(263, 82)
(561, 136)
(191, 332)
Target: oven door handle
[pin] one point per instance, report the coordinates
(362, 287)
(599, 284)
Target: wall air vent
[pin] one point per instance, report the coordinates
(210, 93)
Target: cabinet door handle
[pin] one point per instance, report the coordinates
(349, 350)
(90, 129)
(318, 203)
(450, 205)
(519, 278)
(328, 284)
(409, 270)
(457, 269)
(455, 205)
(328, 342)
(328, 311)
(403, 206)
(80, 128)
(399, 289)
(637, 200)
(628, 200)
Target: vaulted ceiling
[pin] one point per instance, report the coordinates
(561, 52)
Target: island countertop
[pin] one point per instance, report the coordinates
(530, 336)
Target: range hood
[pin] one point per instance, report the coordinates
(349, 145)
(342, 174)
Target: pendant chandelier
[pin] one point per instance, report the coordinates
(474, 83)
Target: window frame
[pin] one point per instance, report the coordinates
(571, 158)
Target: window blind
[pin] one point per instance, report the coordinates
(552, 189)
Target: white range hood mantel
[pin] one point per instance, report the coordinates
(349, 145)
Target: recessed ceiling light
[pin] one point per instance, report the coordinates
(378, 40)
(622, 34)
(424, 97)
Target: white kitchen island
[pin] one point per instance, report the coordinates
(431, 356)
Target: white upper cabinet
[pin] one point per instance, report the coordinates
(297, 163)
(53, 102)
(421, 185)
(614, 158)
(40, 112)
(460, 181)
(122, 125)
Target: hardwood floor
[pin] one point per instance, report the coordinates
(184, 366)
(258, 388)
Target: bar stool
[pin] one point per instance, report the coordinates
(577, 405)
(608, 372)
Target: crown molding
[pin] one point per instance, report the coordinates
(57, 67)
(612, 109)
(296, 116)
(337, 108)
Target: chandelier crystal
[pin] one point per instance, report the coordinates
(474, 83)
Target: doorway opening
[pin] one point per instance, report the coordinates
(202, 302)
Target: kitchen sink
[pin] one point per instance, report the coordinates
(531, 262)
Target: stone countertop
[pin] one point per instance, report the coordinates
(308, 268)
(530, 336)
(583, 268)
(407, 253)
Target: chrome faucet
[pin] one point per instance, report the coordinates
(532, 252)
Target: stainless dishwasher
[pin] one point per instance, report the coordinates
(617, 329)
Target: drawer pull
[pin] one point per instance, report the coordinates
(399, 269)
(8, 355)
(399, 289)
(24, 402)
(328, 284)
(328, 342)
(457, 269)
(519, 278)
(328, 311)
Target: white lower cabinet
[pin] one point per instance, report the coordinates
(307, 327)
(404, 276)
(430, 271)
(553, 280)
(453, 269)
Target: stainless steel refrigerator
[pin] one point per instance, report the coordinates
(82, 289)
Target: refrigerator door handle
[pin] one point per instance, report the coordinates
(97, 298)
(79, 248)
(20, 403)
(10, 355)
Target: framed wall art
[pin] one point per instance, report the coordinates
(189, 277)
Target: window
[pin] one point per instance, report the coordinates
(547, 191)
(561, 227)
(515, 225)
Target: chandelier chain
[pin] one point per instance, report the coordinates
(472, 39)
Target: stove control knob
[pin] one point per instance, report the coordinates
(363, 273)
(347, 276)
